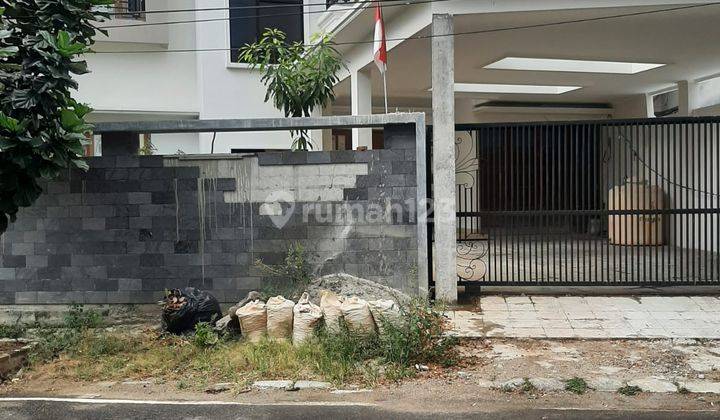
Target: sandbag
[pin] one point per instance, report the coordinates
(253, 295)
(385, 311)
(306, 316)
(184, 308)
(357, 315)
(279, 317)
(253, 320)
(331, 306)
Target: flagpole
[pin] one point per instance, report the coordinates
(385, 88)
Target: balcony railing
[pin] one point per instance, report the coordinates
(331, 2)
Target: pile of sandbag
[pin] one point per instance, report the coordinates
(359, 315)
(283, 319)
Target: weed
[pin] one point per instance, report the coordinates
(681, 389)
(418, 339)
(204, 336)
(13, 331)
(340, 357)
(295, 269)
(508, 388)
(397, 373)
(576, 385)
(102, 344)
(630, 390)
(527, 387)
(78, 318)
(53, 341)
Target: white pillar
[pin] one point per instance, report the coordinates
(327, 133)
(687, 93)
(317, 135)
(443, 164)
(649, 106)
(361, 93)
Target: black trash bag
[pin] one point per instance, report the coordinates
(183, 308)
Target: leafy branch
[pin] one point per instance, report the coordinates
(298, 77)
(42, 128)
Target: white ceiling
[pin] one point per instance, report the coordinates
(688, 41)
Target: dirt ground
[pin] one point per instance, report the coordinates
(473, 382)
(622, 360)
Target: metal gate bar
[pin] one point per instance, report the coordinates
(612, 202)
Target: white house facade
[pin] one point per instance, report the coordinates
(548, 129)
(177, 59)
(619, 59)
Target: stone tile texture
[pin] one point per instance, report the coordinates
(592, 317)
(133, 226)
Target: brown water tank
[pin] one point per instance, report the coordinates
(641, 229)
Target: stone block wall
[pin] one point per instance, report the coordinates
(134, 226)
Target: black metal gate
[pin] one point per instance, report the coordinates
(632, 202)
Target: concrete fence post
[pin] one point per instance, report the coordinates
(443, 164)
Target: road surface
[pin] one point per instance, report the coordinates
(66, 409)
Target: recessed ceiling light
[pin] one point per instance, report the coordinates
(499, 88)
(575, 66)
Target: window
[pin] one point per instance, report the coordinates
(248, 24)
(130, 9)
(666, 104)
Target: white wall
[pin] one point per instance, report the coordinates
(160, 86)
(230, 90)
(170, 144)
(707, 93)
(156, 82)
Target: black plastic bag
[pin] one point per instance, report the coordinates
(183, 308)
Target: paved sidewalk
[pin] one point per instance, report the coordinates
(591, 317)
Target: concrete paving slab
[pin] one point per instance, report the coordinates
(272, 384)
(701, 387)
(604, 384)
(547, 384)
(655, 385)
(592, 317)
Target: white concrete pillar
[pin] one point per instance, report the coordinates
(361, 93)
(649, 106)
(687, 97)
(327, 133)
(317, 135)
(443, 164)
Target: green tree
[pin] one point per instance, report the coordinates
(42, 128)
(298, 77)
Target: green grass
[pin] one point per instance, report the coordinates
(79, 318)
(70, 337)
(13, 331)
(90, 354)
(204, 336)
(576, 385)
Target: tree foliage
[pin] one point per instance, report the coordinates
(298, 77)
(42, 128)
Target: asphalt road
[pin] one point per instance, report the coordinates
(62, 410)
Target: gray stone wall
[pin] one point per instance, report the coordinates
(134, 226)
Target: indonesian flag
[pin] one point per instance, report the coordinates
(379, 44)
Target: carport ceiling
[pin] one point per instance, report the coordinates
(688, 41)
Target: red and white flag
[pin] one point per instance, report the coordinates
(379, 44)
